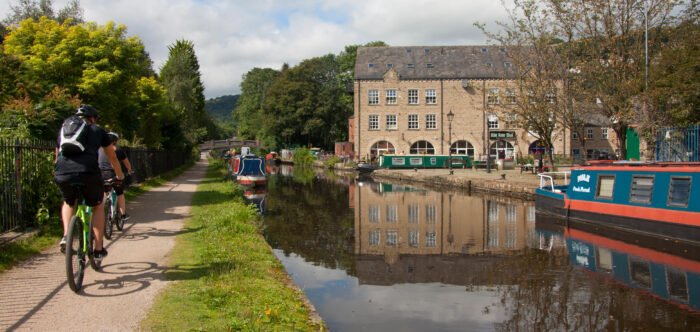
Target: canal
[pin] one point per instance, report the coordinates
(376, 256)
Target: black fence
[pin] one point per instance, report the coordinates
(26, 178)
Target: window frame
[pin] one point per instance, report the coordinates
(389, 123)
(633, 189)
(599, 179)
(511, 96)
(373, 97)
(429, 148)
(373, 120)
(589, 133)
(490, 123)
(670, 186)
(413, 119)
(492, 96)
(391, 97)
(428, 121)
(604, 132)
(413, 99)
(430, 96)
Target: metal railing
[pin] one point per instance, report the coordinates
(677, 144)
(26, 177)
(547, 179)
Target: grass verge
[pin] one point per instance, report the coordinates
(48, 235)
(227, 278)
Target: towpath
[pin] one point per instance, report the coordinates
(35, 296)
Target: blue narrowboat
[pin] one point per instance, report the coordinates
(249, 170)
(660, 198)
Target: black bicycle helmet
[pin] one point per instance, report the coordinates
(86, 111)
(113, 136)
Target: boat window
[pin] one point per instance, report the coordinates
(604, 259)
(679, 191)
(640, 272)
(605, 186)
(677, 283)
(641, 188)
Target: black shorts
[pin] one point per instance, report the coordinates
(92, 187)
(110, 174)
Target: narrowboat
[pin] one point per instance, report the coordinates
(423, 161)
(669, 275)
(249, 170)
(272, 158)
(660, 199)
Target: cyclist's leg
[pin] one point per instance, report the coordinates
(94, 194)
(69, 194)
(121, 202)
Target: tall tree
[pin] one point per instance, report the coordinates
(181, 78)
(248, 112)
(36, 9)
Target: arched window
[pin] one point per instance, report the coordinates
(462, 147)
(502, 150)
(422, 147)
(538, 147)
(381, 147)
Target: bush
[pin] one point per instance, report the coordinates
(303, 156)
(331, 161)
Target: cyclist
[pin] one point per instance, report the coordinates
(82, 168)
(108, 172)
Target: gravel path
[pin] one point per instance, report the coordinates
(34, 295)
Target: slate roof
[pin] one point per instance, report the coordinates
(434, 62)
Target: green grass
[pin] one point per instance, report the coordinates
(227, 277)
(49, 235)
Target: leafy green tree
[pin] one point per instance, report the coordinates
(346, 61)
(248, 112)
(97, 63)
(36, 9)
(304, 106)
(181, 78)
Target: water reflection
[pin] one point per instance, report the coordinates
(377, 256)
(256, 196)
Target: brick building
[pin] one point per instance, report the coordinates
(403, 96)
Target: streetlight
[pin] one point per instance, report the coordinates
(450, 116)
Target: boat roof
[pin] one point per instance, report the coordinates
(625, 165)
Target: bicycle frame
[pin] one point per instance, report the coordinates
(113, 196)
(84, 212)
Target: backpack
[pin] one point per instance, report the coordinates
(73, 136)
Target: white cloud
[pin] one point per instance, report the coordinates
(232, 37)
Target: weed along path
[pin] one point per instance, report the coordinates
(34, 294)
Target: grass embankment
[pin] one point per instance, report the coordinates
(48, 235)
(227, 276)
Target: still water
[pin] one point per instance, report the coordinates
(377, 256)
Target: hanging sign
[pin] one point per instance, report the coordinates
(502, 135)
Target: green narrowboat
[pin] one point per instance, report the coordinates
(423, 161)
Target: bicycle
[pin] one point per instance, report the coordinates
(80, 244)
(113, 216)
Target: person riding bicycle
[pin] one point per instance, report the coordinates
(109, 174)
(82, 168)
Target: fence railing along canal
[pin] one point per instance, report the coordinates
(26, 177)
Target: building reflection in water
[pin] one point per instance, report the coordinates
(409, 235)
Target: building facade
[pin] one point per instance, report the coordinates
(403, 96)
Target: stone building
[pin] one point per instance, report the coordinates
(403, 95)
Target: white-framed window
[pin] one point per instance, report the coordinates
(391, 213)
(430, 121)
(430, 97)
(373, 122)
(413, 213)
(413, 121)
(391, 97)
(551, 97)
(374, 237)
(574, 135)
(511, 121)
(604, 132)
(511, 212)
(374, 213)
(391, 238)
(373, 97)
(422, 147)
(492, 96)
(511, 96)
(391, 122)
(430, 214)
(462, 147)
(493, 121)
(413, 238)
(589, 133)
(430, 239)
(412, 97)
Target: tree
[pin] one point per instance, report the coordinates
(346, 62)
(181, 78)
(36, 9)
(97, 63)
(248, 112)
(608, 50)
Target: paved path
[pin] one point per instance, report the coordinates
(34, 295)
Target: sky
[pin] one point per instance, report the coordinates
(231, 37)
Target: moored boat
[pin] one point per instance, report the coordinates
(249, 170)
(655, 198)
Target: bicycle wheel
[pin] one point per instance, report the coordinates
(75, 256)
(109, 221)
(118, 219)
(91, 252)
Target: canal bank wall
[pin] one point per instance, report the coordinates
(511, 183)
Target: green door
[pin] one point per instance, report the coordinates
(632, 145)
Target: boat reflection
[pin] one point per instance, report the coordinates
(257, 197)
(632, 262)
